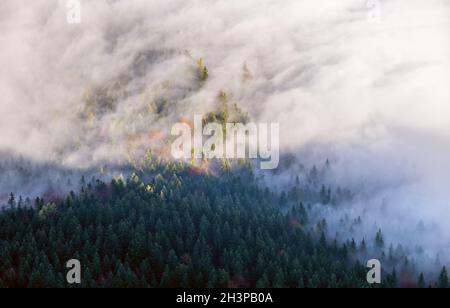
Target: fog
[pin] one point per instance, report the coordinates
(363, 83)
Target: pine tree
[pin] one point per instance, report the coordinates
(263, 282)
(11, 201)
(443, 279)
(421, 282)
(394, 281)
(379, 241)
(279, 280)
(363, 246)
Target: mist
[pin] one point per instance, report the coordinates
(364, 86)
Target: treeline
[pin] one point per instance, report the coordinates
(176, 228)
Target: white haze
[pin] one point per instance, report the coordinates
(370, 94)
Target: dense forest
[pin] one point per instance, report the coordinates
(174, 226)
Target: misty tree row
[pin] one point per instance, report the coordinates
(178, 228)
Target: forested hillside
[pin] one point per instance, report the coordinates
(175, 227)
